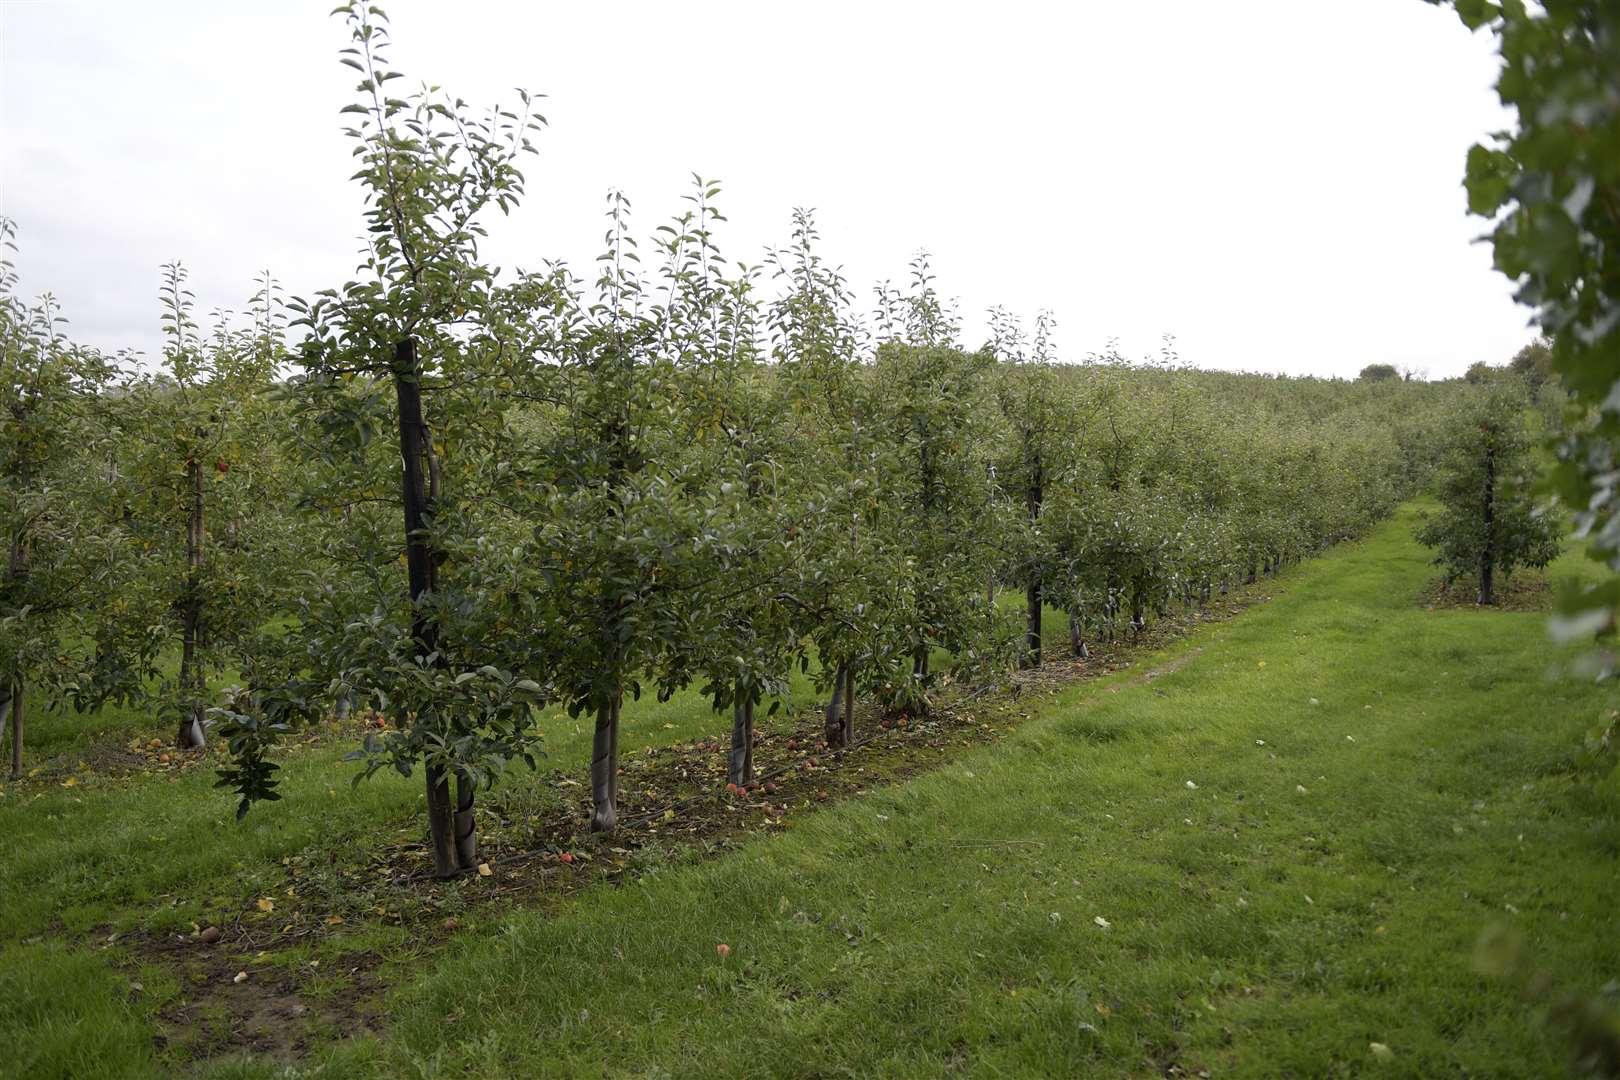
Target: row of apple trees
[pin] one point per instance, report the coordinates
(459, 496)
(140, 506)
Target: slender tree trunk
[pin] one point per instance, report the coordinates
(605, 765)
(1487, 554)
(740, 765)
(466, 827)
(441, 822)
(343, 706)
(1032, 620)
(919, 672)
(848, 736)
(419, 564)
(833, 728)
(15, 706)
(1110, 607)
(1077, 640)
(1138, 619)
(192, 682)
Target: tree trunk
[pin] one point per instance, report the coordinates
(441, 823)
(1110, 607)
(412, 448)
(832, 728)
(466, 827)
(605, 765)
(1077, 640)
(1032, 618)
(919, 672)
(848, 736)
(193, 685)
(740, 766)
(1487, 554)
(1138, 618)
(16, 706)
(420, 572)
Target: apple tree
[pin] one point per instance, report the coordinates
(54, 576)
(1488, 523)
(426, 347)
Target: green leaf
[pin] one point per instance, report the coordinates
(1490, 174)
(1476, 13)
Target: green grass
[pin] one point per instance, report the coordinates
(152, 851)
(949, 924)
(105, 850)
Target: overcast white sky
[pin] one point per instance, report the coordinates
(1276, 182)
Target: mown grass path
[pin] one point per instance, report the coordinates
(1278, 851)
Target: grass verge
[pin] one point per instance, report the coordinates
(1278, 851)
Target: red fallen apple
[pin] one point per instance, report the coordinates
(770, 789)
(884, 724)
(793, 744)
(723, 949)
(222, 466)
(450, 924)
(821, 795)
(565, 857)
(733, 789)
